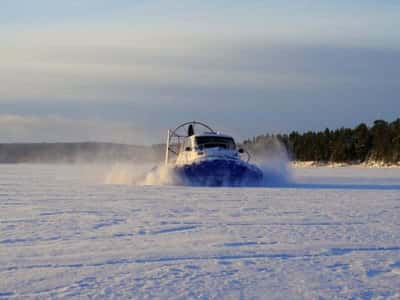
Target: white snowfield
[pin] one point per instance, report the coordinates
(329, 234)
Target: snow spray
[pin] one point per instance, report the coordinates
(273, 160)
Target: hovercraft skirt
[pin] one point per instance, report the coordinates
(220, 172)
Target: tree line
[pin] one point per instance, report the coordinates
(378, 142)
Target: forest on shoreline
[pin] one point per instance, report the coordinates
(379, 142)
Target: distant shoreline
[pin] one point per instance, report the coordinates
(369, 164)
(81, 152)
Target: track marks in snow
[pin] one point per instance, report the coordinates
(384, 270)
(229, 257)
(108, 223)
(168, 229)
(246, 244)
(69, 212)
(29, 240)
(6, 294)
(343, 251)
(338, 266)
(239, 244)
(122, 235)
(174, 229)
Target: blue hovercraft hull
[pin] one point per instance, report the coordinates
(220, 172)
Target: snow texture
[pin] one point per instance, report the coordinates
(327, 234)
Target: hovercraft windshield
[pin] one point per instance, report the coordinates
(215, 142)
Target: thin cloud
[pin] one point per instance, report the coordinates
(129, 72)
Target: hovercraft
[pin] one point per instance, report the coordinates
(204, 157)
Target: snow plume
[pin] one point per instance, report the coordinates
(273, 159)
(142, 174)
(161, 175)
(120, 174)
(124, 173)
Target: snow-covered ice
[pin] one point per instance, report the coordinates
(329, 234)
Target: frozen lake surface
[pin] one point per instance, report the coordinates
(329, 234)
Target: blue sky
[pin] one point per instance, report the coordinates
(246, 67)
